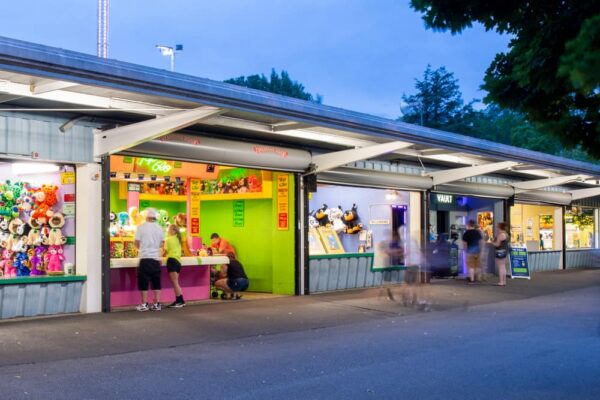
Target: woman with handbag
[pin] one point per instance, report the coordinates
(501, 246)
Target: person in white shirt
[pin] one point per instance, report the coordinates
(149, 239)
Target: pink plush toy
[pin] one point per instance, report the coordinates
(55, 258)
(7, 264)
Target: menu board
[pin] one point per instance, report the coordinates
(519, 263)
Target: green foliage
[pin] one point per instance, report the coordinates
(550, 73)
(280, 84)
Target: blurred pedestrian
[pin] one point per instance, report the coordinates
(473, 240)
(501, 252)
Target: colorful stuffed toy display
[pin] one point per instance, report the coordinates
(45, 198)
(56, 222)
(36, 260)
(7, 264)
(163, 218)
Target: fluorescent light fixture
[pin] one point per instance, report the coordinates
(33, 168)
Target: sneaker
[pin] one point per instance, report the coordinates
(156, 307)
(142, 307)
(176, 304)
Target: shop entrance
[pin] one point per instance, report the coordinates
(252, 210)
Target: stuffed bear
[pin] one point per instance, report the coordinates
(36, 260)
(34, 238)
(56, 238)
(21, 263)
(14, 228)
(7, 264)
(4, 233)
(322, 215)
(45, 198)
(351, 220)
(335, 216)
(54, 257)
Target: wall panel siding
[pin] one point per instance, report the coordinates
(583, 258)
(544, 260)
(26, 300)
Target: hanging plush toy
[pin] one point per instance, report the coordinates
(45, 198)
(8, 199)
(335, 216)
(26, 201)
(322, 215)
(7, 264)
(56, 222)
(34, 238)
(163, 218)
(351, 220)
(4, 232)
(36, 260)
(312, 221)
(14, 228)
(21, 263)
(113, 228)
(55, 258)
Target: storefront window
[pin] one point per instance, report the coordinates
(579, 228)
(37, 219)
(536, 227)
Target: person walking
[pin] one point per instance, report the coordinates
(473, 239)
(174, 249)
(149, 240)
(501, 252)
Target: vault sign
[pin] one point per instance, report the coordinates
(444, 198)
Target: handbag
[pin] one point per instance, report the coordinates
(501, 253)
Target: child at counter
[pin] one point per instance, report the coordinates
(173, 252)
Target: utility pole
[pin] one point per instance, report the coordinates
(102, 49)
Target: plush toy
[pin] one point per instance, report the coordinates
(45, 198)
(335, 216)
(254, 184)
(26, 202)
(54, 256)
(243, 185)
(351, 220)
(44, 234)
(56, 222)
(10, 193)
(7, 264)
(220, 187)
(34, 238)
(36, 260)
(312, 221)
(4, 233)
(163, 218)
(213, 187)
(113, 228)
(322, 215)
(135, 217)
(14, 229)
(21, 263)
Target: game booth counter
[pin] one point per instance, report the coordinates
(38, 274)
(253, 209)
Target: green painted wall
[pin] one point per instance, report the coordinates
(118, 205)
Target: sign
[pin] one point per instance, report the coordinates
(194, 207)
(134, 187)
(444, 198)
(154, 165)
(68, 209)
(69, 197)
(283, 194)
(379, 222)
(519, 263)
(67, 178)
(238, 213)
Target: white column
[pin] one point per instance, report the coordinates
(414, 217)
(558, 239)
(88, 229)
(597, 228)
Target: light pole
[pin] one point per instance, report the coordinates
(169, 51)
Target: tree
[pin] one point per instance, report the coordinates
(550, 73)
(283, 85)
(438, 101)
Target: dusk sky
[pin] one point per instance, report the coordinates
(359, 54)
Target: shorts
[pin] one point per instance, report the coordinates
(473, 260)
(173, 265)
(149, 272)
(238, 284)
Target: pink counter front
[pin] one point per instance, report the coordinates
(194, 280)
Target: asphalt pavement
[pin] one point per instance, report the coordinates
(537, 339)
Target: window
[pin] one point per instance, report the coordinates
(579, 228)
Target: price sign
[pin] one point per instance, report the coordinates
(519, 263)
(238, 213)
(283, 194)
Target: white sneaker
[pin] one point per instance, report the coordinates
(156, 307)
(142, 307)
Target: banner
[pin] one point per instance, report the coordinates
(283, 194)
(519, 263)
(194, 207)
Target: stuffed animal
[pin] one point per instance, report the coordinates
(135, 217)
(7, 264)
(21, 263)
(10, 193)
(351, 219)
(54, 256)
(312, 221)
(26, 202)
(36, 260)
(335, 216)
(213, 187)
(45, 198)
(163, 218)
(34, 238)
(14, 229)
(322, 215)
(254, 184)
(220, 187)
(243, 185)
(56, 238)
(113, 228)
(4, 233)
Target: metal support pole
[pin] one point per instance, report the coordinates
(105, 237)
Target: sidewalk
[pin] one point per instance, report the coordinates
(82, 336)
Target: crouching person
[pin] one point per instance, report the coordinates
(234, 279)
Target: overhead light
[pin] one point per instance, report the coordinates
(33, 168)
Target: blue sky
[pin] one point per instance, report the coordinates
(359, 54)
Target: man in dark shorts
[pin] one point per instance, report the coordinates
(473, 240)
(149, 239)
(234, 279)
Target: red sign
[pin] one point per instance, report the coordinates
(69, 197)
(283, 221)
(195, 226)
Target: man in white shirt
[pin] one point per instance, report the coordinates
(149, 239)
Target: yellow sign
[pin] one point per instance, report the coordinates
(67, 178)
(283, 203)
(195, 207)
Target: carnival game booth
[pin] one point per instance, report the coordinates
(38, 274)
(361, 237)
(250, 208)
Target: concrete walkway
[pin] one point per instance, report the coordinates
(86, 336)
